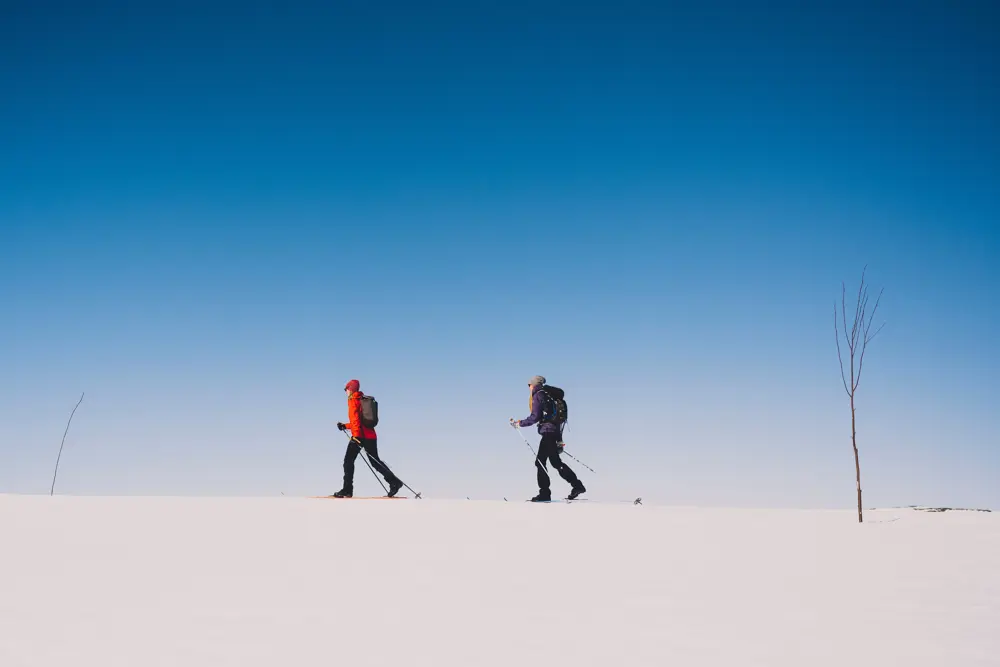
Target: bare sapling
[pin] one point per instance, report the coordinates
(857, 340)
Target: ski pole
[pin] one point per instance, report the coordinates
(562, 450)
(416, 495)
(537, 462)
(578, 461)
(367, 463)
(363, 452)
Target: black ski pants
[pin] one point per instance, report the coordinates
(548, 450)
(370, 446)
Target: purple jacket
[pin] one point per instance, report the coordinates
(536, 416)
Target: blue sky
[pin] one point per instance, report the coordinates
(212, 216)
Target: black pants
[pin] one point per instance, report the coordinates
(371, 446)
(548, 450)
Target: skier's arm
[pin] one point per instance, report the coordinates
(536, 412)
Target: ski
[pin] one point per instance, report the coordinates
(363, 497)
(559, 500)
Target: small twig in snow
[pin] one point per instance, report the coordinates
(68, 422)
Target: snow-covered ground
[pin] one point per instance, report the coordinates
(185, 582)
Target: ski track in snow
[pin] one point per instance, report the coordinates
(245, 582)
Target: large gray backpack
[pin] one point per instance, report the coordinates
(369, 411)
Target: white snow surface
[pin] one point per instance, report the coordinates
(247, 582)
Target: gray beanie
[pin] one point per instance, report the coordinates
(538, 379)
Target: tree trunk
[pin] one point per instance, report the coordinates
(857, 463)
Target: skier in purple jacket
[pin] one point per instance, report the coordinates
(550, 446)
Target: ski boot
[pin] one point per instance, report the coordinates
(577, 490)
(542, 498)
(344, 493)
(394, 488)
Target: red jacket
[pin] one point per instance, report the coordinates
(358, 430)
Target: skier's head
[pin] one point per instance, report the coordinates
(352, 386)
(536, 381)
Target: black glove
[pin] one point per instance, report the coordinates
(341, 426)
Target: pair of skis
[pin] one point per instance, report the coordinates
(363, 497)
(559, 500)
(637, 501)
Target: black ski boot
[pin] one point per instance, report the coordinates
(394, 488)
(577, 490)
(542, 498)
(344, 493)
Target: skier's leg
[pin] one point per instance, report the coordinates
(564, 470)
(349, 456)
(371, 446)
(544, 483)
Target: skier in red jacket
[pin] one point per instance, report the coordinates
(362, 437)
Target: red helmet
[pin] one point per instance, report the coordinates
(352, 386)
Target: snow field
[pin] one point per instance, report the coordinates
(247, 582)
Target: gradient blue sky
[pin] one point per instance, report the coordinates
(211, 217)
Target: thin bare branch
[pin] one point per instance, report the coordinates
(872, 337)
(68, 422)
(843, 308)
(840, 357)
(868, 338)
(855, 330)
(864, 309)
(872, 317)
(861, 361)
